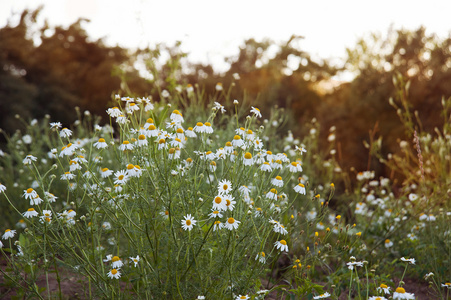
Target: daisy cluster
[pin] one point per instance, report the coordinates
(165, 178)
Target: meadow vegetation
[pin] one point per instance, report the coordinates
(245, 185)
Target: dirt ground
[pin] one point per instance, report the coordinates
(73, 285)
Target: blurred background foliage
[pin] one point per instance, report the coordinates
(51, 70)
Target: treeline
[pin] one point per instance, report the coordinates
(51, 70)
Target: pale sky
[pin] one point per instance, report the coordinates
(210, 30)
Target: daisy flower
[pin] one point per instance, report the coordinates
(266, 167)
(190, 133)
(29, 159)
(114, 273)
(388, 243)
(353, 264)
(228, 148)
(272, 194)
(279, 228)
(447, 285)
(212, 166)
(116, 262)
(55, 125)
(30, 213)
(295, 167)
(126, 146)
(377, 298)
(142, 141)
(409, 260)
(300, 188)
(176, 143)
(188, 222)
(239, 297)
(277, 181)
(67, 176)
(200, 128)
(383, 288)
(114, 112)
(2, 188)
(9, 234)
(400, 293)
(132, 107)
(208, 128)
(230, 203)
(282, 245)
(100, 144)
(261, 257)
(217, 225)
(65, 133)
(256, 112)
(237, 141)
(50, 197)
(152, 131)
(215, 214)
(162, 144)
(29, 193)
(121, 177)
(219, 107)
(224, 186)
(219, 203)
(36, 200)
(135, 260)
(244, 190)
(232, 224)
(322, 296)
(105, 172)
(248, 161)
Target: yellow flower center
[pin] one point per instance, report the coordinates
(237, 137)
(218, 200)
(400, 290)
(188, 222)
(125, 142)
(225, 187)
(7, 230)
(189, 160)
(383, 286)
(247, 155)
(115, 258)
(104, 169)
(283, 242)
(161, 141)
(30, 190)
(243, 297)
(208, 152)
(301, 185)
(31, 209)
(137, 167)
(387, 241)
(176, 112)
(199, 124)
(101, 140)
(228, 144)
(166, 212)
(217, 222)
(114, 271)
(207, 124)
(294, 164)
(231, 220)
(228, 202)
(141, 137)
(262, 254)
(278, 178)
(149, 120)
(213, 163)
(190, 128)
(130, 166)
(179, 130)
(152, 127)
(172, 151)
(274, 191)
(121, 177)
